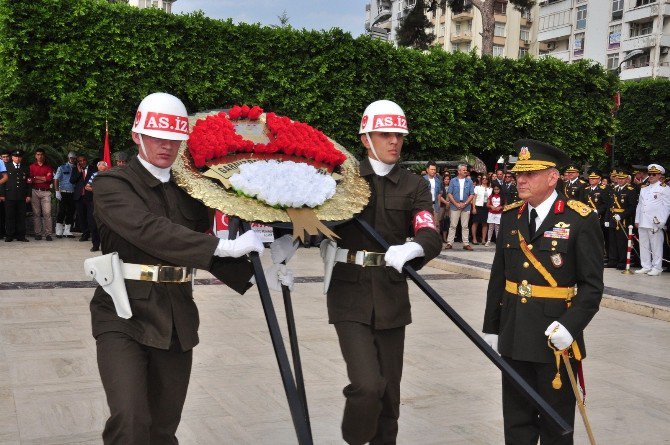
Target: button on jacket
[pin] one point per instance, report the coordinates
(148, 222)
(357, 292)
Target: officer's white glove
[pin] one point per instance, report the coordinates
(277, 275)
(617, 217)
(58, 195)
(607, 223)
(248, 242)
(492, 341)
(560, 337)
(282, 249)
(595, 211)
(397, 256)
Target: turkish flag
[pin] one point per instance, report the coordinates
(106, 155)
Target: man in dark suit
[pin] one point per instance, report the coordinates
(80, 177)
(17, 196)
(546, 285)
(5, 158)
(509, 191)
(157, 230)
(436, 187)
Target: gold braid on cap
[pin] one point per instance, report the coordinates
(528, 166)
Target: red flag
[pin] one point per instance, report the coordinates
(106, 156)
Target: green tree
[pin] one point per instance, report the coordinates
(412, 31)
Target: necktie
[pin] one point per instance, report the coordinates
(531, 225)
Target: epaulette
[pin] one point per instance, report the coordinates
(514, 205)
(663, 184)
(630, 187)
(581, 181)
(579, 207)
(643, 186)
(603, 186)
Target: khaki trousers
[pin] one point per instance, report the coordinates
(454, 217)
(41, 202)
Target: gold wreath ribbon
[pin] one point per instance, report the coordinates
(304, 220)
(535, 262)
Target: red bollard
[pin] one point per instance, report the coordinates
(628, 251)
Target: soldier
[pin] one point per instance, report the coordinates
(546, 284)
(508, 190)
(651, 214)
(597, 197)
(573, 186)
(620, 214)
(17, 193)
(369, 306)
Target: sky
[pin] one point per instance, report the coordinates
(348, 15)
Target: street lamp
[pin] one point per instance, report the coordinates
(630, 55)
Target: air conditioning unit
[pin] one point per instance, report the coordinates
(665, 50)
(526, 42)
(551, 46)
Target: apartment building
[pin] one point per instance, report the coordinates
(382, 17)
(165, 5)
(633, 35)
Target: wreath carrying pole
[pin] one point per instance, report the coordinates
(298, 410)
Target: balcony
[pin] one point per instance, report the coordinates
(560, 55)
(463, 16)
(642, 13)
(641, 42)
(556, 25)
(638, 70)
(461, 36)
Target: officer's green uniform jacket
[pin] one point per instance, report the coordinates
(598, 199)
(355, 292)
(625, 198)
(574, 190)
(148, 222)
(577, 261)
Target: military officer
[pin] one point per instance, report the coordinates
(651, 214)
(17, 192)
(546, 284)
(369, 306)
(620, 215)
(573, 185)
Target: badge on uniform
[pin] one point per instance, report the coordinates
(556, 260)
(557, 232)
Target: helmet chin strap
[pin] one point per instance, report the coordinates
(372, 147)
(143, 150)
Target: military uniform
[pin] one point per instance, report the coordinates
(651, 214)
(151, 223)
(16, 190)
(554, 275)
(623, 203)
(574, 189)
(370, 307)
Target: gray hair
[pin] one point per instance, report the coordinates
(461, 165)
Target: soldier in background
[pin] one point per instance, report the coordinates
(597, 197)
(17, 196)
(573, 185)
(651, 215)
(620, 214)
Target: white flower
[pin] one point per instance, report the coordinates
(286, 184)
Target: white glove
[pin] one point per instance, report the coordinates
(282, 249)
(595, 211)
(560, 337)
(58, 195)
(397, 256)
(617, 217)
(248, 242)
(492, 341)
(607, 223)
(277, 275)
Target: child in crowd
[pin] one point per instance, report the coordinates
(495, 210)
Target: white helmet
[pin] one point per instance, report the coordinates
(384, 116)
(163, 116)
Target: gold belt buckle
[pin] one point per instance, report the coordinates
(170, 274)
(525, 291)
(368, 259)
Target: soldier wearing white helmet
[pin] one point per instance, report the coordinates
(143, 315)
(651, 214)
(370, 306)
(64, 195)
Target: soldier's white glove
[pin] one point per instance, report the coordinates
(607, 224)
(277, 275)
(617, 217)
(282, 249)
(248, 242)
(397, 256)
(492, 341)
(58, 195)
(560, 337)
(595, 211)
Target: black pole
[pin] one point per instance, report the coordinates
(295, 405)
(295, 351)
(506, 369)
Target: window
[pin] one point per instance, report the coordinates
(154, 3)
(522, 52)
(500, 8)
(409, 4)
(499, 30)
(613, 61)
(641, 29)
(498, 50)
(457, 28)
(579, 44)
(167, 6)
(640, 61)
(617, 9)
(581, 17)
(614, 39)
(524, 34)
(644, 2)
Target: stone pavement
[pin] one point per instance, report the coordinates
(50, 391)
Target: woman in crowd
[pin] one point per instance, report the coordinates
(495, 210)
(444, 207)
(480, 212)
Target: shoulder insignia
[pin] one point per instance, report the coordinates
(603, 187)
(581, 181)
(630, 187)
(643, 186)
(514, 205)
(663, 184)
(579, 207)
